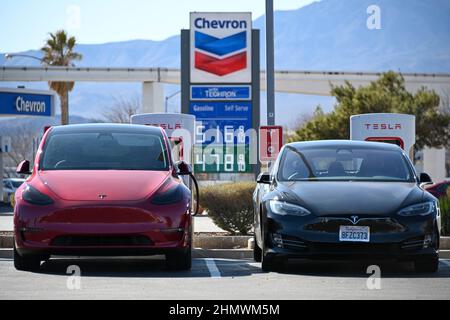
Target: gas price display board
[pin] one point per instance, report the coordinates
(221, 141)
(220, 87)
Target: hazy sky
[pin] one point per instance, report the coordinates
(24, 24)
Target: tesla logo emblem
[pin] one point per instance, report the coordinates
(354, 219)
(102, 196)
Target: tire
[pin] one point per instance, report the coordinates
(26, 263)
(267, 263)
(257, 252)
(179, 260)
(427, 264)
(270, 262)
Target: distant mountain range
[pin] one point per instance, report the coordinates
(328, 35)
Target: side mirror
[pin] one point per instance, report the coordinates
(183, 169)
(264, 178)
(425, 178)
(23, 167)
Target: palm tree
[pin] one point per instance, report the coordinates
(58, 51)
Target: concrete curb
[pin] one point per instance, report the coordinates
(223, 253)
(6, 254)
(221, 242)
(445, 243)
(6, 241)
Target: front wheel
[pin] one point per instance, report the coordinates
(270, 262)
(427, 265)
(267, 263)
(26, 263)
(179, 260)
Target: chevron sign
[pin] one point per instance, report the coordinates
(221, 47)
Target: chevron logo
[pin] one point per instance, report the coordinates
(220, 56)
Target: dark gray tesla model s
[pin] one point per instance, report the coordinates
(345, 200)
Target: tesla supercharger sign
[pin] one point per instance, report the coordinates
(399, 129)
(180, 129)
(220, 87)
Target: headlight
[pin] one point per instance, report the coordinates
(33, 196)
(421, 209)
(284, 208)
(171, 195)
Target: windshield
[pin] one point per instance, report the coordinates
(104, 151)
(344, 164)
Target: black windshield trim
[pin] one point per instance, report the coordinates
(158, 134)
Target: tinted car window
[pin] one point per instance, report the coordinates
(104, 151)
(344, 164)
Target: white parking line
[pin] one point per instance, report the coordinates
(212, 268)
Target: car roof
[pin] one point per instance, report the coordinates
(112, 127)
(345, 144)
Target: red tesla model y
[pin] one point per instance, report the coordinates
(103, 189)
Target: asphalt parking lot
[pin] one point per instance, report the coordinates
(147, 278)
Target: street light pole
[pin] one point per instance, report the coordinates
(170, 97)
(14, 55)
(270, 63)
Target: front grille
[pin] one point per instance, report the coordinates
(99, 241)
(376, 224)
(357, 248)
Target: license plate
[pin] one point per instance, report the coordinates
(354, 234)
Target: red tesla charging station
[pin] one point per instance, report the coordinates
(399, 129)
(270, 142)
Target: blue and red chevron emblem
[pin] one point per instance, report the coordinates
(221, 56)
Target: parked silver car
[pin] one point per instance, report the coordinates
(9, 188)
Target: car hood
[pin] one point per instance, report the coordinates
(359, 198)
(116, 185)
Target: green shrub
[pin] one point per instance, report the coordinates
(230, 206)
